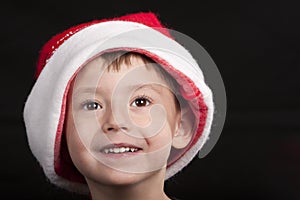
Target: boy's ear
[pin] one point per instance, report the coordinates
(184, 132)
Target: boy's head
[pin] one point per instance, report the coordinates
(113, 88)
(122, 110)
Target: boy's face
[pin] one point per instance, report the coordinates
(120, 124)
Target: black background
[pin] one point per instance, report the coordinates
(255, 45)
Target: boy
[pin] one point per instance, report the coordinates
(118, 107)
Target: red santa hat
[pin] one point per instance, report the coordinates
(61, 58)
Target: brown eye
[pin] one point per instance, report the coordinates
(92, 106)
(140, 102)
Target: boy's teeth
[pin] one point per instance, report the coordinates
(120, 150)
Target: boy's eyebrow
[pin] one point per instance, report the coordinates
(93, 90)
(84, 90)
(150, 85)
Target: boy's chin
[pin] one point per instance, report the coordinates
(113, 177)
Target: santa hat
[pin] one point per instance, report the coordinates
(61, 58)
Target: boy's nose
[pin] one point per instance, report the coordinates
(110, 125)
(110, 128)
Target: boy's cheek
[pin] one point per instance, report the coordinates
(73, 140)
(76, 137)
(84, 125)
(140, 119)
(75, 147)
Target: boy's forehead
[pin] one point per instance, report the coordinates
(99, 65)
(89, 69)
(137, 72)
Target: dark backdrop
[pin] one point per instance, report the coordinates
(255, 45)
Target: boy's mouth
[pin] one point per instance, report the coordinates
(120, 148)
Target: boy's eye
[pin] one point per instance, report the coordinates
(91, 106)
(140, 102)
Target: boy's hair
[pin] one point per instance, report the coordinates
(113, 60)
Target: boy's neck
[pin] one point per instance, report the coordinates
(149, 189)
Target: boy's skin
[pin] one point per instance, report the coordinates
(115, 113)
